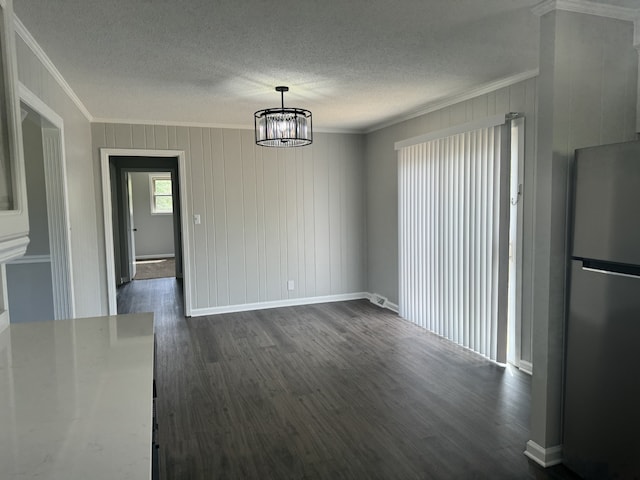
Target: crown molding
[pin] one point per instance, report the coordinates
(588, 7)
(465, 95)
(37, 50)
(171, 123)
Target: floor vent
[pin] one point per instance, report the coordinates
(379, 300)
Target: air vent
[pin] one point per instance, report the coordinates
(379, 300)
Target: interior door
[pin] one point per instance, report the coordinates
(131, 228)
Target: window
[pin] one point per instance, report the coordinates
(161, 194)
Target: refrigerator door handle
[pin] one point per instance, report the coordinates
(608, 272)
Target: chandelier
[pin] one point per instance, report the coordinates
(283, 127)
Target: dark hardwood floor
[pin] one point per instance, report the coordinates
(331, 391)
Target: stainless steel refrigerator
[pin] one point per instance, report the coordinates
(602, 382)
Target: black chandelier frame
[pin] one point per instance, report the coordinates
(295, 125)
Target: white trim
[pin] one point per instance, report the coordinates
(587, 7)
(545, 457)
(487, 122)
(58, 222)
(10, 249)
(4, 298)
(105, 153)
(15, 222)
(37, 50)
(35, 103)
(171, 123)
(637, 45)
(155, 256)
(31, 259)
(526, 367)
(391, 306)
(291, 302)
(463, 95)
(57, 203)
(152, 192)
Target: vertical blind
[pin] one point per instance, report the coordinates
(453, 242)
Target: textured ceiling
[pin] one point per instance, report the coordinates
(354, 63)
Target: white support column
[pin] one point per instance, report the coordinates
(63, 302)
(570, 109)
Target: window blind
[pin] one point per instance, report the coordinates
(453, 237)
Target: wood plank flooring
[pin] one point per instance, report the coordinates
(331, 391)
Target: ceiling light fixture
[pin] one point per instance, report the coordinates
(283, 127)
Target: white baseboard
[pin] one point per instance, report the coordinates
(392, 306)
(526, 367)
(199, 312)
(545, 457)
(4, 320)
(155, 256)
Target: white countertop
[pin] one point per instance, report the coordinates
(76, 399)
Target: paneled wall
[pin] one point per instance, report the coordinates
(88, 270)
(382, 186)
(268, 215)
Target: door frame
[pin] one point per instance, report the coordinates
(516, 200)
(128, 223)
(57, 204)
(105, 154)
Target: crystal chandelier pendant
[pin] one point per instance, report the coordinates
(283, 127)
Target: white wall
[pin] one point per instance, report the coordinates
(154, 233)
(268, 215)
(382, 186)
(90, 294)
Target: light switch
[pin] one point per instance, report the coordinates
(291, 285)
(196, 219)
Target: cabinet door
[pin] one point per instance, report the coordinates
(14, 222)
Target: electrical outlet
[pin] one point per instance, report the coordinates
(291, 285)
(196, 219)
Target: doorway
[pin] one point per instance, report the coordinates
(121, 170)
(46, 266)
(154, 224)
